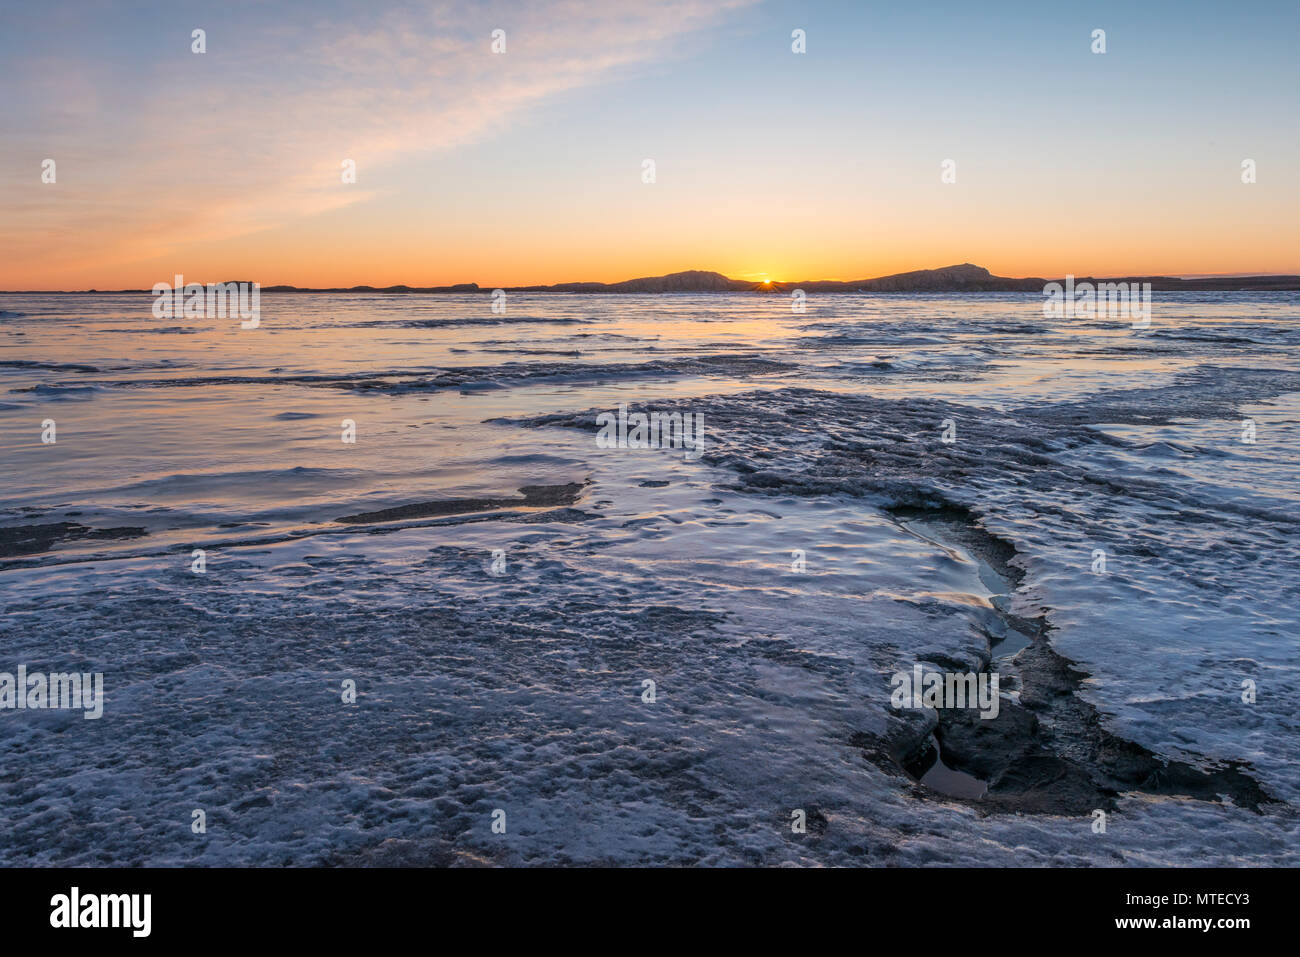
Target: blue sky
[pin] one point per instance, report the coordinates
(526, 167)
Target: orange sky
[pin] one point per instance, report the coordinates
(526, 168)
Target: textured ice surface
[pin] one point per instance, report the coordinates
(522, 691)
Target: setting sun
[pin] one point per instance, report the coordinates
(403, 464)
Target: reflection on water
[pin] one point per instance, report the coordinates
(517, 678)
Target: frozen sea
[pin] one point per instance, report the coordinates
(500, 640)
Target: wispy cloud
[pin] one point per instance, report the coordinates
(156, 153)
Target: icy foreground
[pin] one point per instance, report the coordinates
(521, 689)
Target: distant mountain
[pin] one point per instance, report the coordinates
(693, 280)
(968, 277)
(458, 287)
(965, 277)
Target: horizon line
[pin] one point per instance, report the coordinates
(750, 285)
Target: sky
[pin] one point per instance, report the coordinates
(526, 166)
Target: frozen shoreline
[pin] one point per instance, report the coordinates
(521, 688)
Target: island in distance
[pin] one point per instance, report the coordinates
(963, 278)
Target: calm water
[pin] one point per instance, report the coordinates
(521, 688)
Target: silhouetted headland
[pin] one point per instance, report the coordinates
(962, 278)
